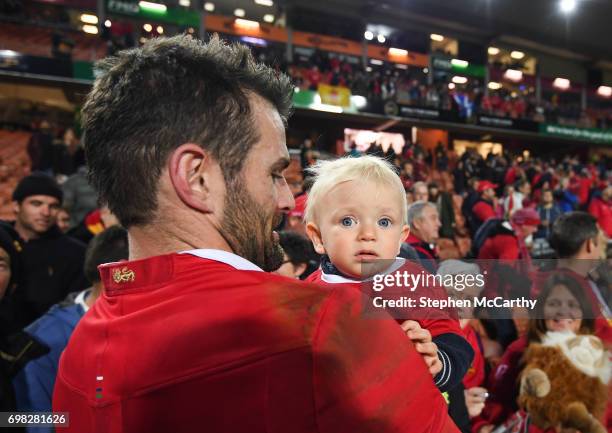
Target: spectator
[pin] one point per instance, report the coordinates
(601, 209)
(561, 307)
(34, 383)
(79, 196)
(16, 348)
(549, 212)
(580, 246)
(52, 261)
(68, 155)
(484, 208)
(63, 220)
(444, 203)
(421, 192)
(424, 223)
(297, 255)
(40, 149)
(506, 240)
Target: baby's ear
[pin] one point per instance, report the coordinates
(404, 234)
(314, 234)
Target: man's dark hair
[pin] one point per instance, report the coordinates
(111, 245)
(570, 231)
(148, 101)
(297, 247)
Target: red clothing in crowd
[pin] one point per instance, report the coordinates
(503, 387)
(205, 340)
(483, 210)
(475, 376)
(602, 210)
(502, 246)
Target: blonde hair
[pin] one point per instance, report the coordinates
(367, 168)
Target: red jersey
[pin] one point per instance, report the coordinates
(205, 340)
(483, 210)
(475, 375)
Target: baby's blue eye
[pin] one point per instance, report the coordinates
(384, 222)
(347, 221)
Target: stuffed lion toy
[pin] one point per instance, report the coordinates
(564, 382)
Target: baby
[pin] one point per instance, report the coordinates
(355, 217)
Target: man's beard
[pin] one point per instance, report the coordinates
(247, 227)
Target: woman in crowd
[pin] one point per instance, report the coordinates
(560, 307)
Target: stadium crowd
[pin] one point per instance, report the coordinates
(460, 207)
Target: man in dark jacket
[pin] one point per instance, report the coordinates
(52, 262)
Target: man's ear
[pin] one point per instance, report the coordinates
(16, 207)
(189, 169)
(314, 234)
(404, 234)
(299, 269)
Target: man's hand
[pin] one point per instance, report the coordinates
(475, 398)
(423, 344)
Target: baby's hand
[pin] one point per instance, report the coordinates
(423, 344)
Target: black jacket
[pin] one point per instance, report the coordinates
(52, 267)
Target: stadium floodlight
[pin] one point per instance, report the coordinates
(381, 39)
(459, 63)
(513, 75)
(246, 24)
(239, 12)
(451, 86)
(209, 7)
(401, 66)
(269, 18)
(107, 23)
(459, 80)
(604, 91)
(493, 51)
(268, 3)
(376, 62)
(92, 30)
(494, 86)
(436, 37)
(517, 55)
(398, 52)
(153, 7)
(561, 83)
(185, 3)
(567, 6)
(89, 19)
(148, 27)
(368, 35)
(160, 30)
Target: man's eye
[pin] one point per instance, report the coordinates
(347, 221)
(384, 222)
(277, 176)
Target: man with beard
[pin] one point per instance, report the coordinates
(186, 144)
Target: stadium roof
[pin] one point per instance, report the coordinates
(583, 35)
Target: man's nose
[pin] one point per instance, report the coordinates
(286, 202)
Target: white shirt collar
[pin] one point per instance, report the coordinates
(224, 257)
(335, 279)
(80, 299)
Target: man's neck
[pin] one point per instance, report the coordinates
(25, 233)
(96, 290)
(578, 265)
(157, 240)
